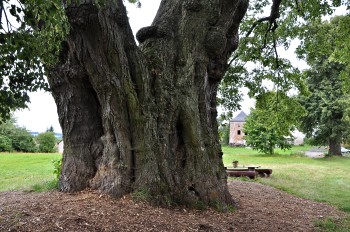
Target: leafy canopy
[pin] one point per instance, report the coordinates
(270, 124)
(324, 105)
(31, 32)
(14, 138)
(47, 142)
(30, 36)
(260, 63)
(264, 38)
(327, 104)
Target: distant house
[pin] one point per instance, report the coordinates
(237, 134)
(60, 146)
(236, 130)
(298, 137)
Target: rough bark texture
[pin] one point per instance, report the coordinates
(143, 118)
(335, 146)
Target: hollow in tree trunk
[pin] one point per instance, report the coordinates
(142, 118)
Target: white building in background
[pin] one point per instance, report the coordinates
(298, 137)
(236, 130)
(60, 146)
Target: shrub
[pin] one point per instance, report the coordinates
(21, 140)
(57, 167)
(5, 143)
(224, 133)
(47, 142)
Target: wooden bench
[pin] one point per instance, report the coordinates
(251, 172)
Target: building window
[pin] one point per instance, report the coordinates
(239, 132)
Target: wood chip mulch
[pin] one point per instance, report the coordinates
(260, 208)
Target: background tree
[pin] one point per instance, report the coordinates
(14, 138)
(30, 36)
(346, 103)
(22, 140)
(326, 79)
(224, 133)
(50, 129)
(47, 142)
(264, 39)
(325, 109)
(272, 122)
(5, 144)
(143, 117)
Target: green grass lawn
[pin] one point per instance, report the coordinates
(322, 179)
(325, 179)
(26, 171)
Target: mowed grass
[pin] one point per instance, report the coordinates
(326, 179)
(321, 179)
(26, 171)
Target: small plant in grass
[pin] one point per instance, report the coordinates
(57, 164)
(199, 205)
(52, 184)
(219, 207)
(43, 187)
(141, 195)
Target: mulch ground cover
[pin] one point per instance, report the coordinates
(259, 208)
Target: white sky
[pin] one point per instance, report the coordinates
(42, 113)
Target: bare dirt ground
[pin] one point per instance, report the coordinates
(260, 208)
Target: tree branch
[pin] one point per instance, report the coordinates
(1, 9)
(9, 26)
(274, 15)
(275, 49)
(256, 23)
(272, 26)
(233, 59)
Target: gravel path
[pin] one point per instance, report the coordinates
(315, 154)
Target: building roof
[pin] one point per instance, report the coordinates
(240, 117)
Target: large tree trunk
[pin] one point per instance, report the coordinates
(336, 135)
(334, 146)
(143, 118)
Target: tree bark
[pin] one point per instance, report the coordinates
(334, 146)
(143, 118)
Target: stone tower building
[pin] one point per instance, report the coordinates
(236, 130)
